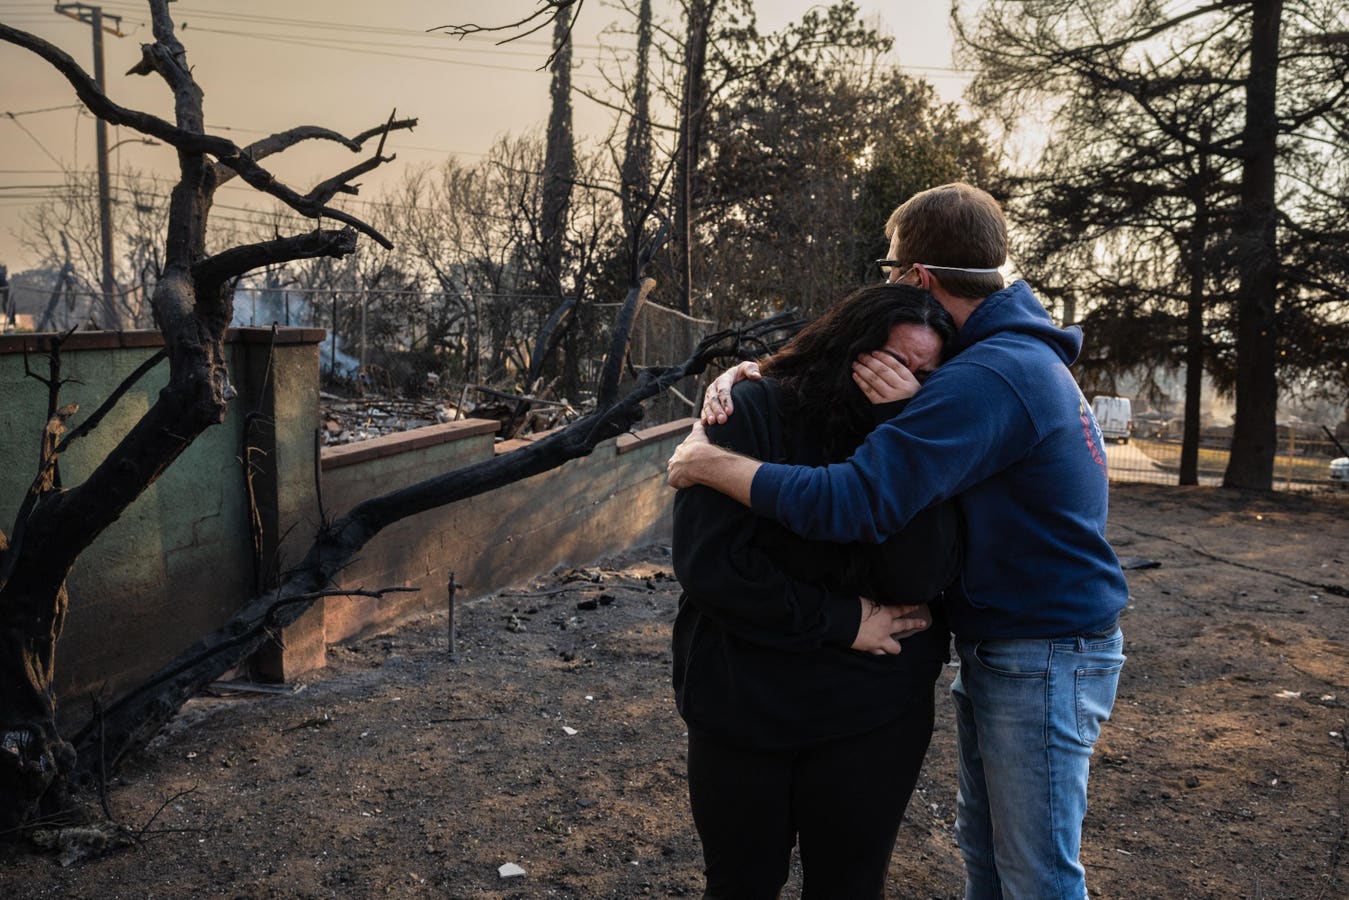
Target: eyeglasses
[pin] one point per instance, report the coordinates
(889, 265)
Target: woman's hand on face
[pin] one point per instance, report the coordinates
(883, 378)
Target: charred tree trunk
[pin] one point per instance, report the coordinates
(636, 172)
(1194, 318)
(1254, 438)
(559, 173)
(130, 722)
(35, 762)
(693, 106)
(193, 307)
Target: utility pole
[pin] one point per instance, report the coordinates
(6, 302)
(93, 16)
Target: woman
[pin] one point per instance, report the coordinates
(806, 723)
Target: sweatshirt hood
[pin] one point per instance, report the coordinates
(1015, 308)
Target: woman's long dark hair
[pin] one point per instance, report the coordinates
(815, 367)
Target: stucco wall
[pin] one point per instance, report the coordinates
(612, 499)
(179, 561)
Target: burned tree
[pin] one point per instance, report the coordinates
(39, 768)
(193, 304)
(128, 724)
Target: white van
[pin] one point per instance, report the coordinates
(1115, 416)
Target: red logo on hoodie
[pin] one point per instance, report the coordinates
(1089, 432)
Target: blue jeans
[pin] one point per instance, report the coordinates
(1028, 713)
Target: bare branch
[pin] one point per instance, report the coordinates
(42, 484)
(548, 10)
(215, 270)
(284, 140)
(383, 131)
(324, 190)
(93, 421)
(226, 151)
(619, 109)
(264, 181)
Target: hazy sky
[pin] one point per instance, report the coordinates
(267, 65)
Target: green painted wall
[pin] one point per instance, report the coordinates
(179, 561)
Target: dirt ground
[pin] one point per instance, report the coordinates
(551, 742)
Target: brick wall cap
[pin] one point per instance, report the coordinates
(341, 455)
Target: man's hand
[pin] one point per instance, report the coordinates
(717, 406)
(883, 626)
(699, 461)
(679, 469)
(881, 376)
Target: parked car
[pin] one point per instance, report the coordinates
(1339, 471)
(1115, 416)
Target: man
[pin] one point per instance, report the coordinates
(1004, 428)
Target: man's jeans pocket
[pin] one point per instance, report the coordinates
(1013, 658)
(1096, 679)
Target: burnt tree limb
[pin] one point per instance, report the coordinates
(214, 271)
(188, 136)
(92, 422)
(129, 723)
(339, 183)
(284, 140)
(545, 344)
(612, 369)
(192, 307)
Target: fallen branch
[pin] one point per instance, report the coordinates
(251, 633)
(134, 719)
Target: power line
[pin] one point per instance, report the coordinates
(43, 146)
(318, 45)
(33, 112)
(355, 42)
(186, 13)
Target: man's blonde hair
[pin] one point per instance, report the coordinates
(953, 225)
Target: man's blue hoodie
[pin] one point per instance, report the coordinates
(1004, 428)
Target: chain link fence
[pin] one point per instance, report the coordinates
(377, 353)
(662, 336)
(472, 354)
(25, 307)
(1302, 459)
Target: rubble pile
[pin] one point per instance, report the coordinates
(350, 419)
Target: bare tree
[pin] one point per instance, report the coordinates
(65, 228)
(1285, 64)
(635, 171)
(192, 303)
(559, 176)
(693, 103)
